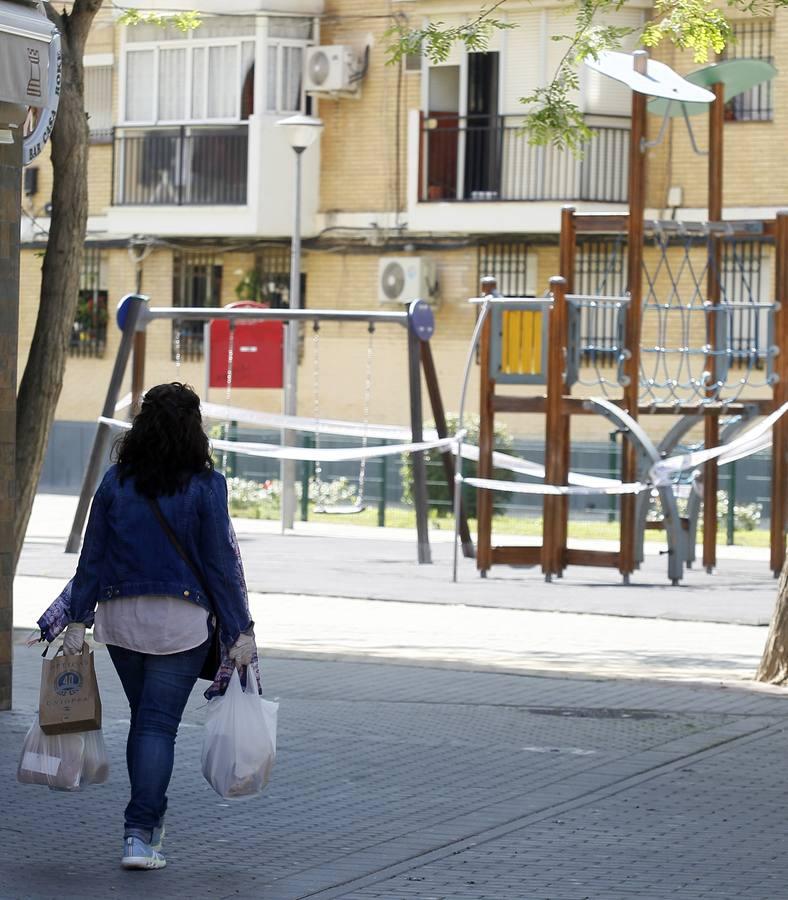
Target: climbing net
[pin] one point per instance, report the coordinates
(692, 351)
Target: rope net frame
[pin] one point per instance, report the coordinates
(692, 351)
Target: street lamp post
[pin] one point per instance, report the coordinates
(302, 132)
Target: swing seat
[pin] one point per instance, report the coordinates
(345, 510)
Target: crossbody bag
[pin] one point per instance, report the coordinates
(214, 658)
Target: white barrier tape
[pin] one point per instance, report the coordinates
(534, 470)
(385, 432)
(123, 403)
(517, 487)
(309, 454)
(224, 413)
(757, 437)
(349, 454)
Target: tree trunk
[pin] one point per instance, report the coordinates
(41, 383)
(774, 662)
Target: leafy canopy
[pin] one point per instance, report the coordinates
(551, 116)
(183, 21)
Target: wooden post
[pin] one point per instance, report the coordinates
(637, 198)
(439, 416)
(780, 431)
(567, 253)
(553, 506)
(10, 206)
(484, 499)
(711, 429)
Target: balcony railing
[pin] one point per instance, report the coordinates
(181, 166)
(484, 157)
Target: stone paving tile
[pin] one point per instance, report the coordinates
(714, 828)
(380, 765)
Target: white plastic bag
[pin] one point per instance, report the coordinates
(239, 746)
(64, 762)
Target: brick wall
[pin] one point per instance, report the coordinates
(361, 169)
(10, 160)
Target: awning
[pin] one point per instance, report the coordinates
(25, 35)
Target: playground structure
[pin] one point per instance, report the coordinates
(134, 315)
(676, 344)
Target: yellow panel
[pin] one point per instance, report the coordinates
(521, 342)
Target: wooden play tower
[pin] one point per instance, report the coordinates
(677, 348)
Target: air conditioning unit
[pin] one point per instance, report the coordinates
(405, 278)
(329, 69)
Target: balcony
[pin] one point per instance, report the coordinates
(181, 166)
(489, 158)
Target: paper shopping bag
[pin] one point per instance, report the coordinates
(69, 700)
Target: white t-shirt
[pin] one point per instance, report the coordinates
(152, 624)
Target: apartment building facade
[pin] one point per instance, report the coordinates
(191, 186)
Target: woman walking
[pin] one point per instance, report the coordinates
(158, 572)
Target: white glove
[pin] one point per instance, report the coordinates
(74, 638)
(243, 649)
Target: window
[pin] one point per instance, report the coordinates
(752, 40)
(200, 76)
(512, 264)
(197, 282)
(284, 84)
(89, 332)
(601, 270)
(745, 271)
(287, 40)
(98, 102)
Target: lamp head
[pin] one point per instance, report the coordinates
(301, 131)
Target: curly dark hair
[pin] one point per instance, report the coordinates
(166, 444)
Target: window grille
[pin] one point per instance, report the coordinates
(752, 40)
(511, 263)
(197, 282)
(273, 273)
(600, 269)
(98, 102)
(89, 332)
(745, 285)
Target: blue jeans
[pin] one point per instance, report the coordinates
(157, 688)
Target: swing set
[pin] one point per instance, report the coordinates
(133, 317)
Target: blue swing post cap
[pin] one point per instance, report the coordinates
(124, 306)
(421, 319)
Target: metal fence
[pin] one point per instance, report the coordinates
(182, 166)
(491, 158)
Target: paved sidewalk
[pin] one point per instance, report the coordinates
(411, 783)
(494, 740)
(379, 564)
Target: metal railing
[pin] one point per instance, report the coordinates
(181, 166)
(474, 158)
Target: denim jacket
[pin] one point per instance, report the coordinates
(127, 553)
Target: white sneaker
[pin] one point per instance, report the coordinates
(139, 855)
(157, 838)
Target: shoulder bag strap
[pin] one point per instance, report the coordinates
(154, 505)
